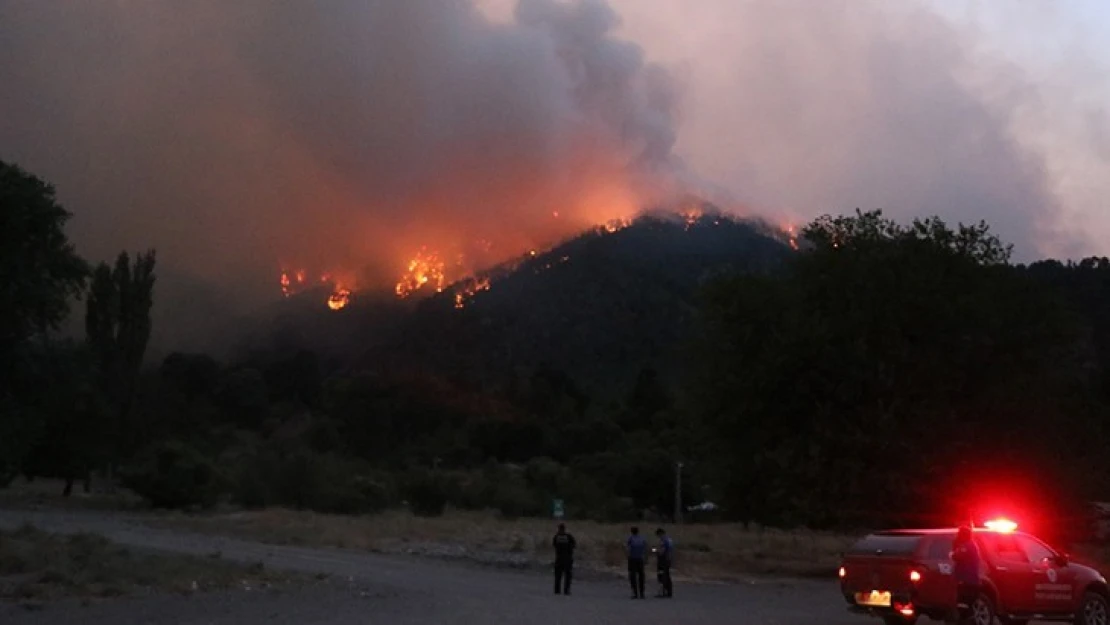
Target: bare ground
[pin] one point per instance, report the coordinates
(706, 552)
(370, 588)
(718, 552)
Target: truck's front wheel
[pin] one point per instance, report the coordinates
(1093, 611)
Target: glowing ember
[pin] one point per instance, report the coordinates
(616, 224)
(792, 237)
(297, 281)
(469, 287)
(426, 268)
(691, 216)
(339, 298)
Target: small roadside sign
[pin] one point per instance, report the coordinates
(557, 508)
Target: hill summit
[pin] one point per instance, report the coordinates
(600, 307)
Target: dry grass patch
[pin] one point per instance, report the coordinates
(47, 493)
(38, 566)
(709, 552)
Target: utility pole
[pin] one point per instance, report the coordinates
(678, 492)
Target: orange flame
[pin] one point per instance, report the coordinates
(423, 269)
(469, 287)
(339, 298)
(792, 237)
(691, 216)
(613, 225)
(294, 281)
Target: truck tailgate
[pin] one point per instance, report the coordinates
(877, 581)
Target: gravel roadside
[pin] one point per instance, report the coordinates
(374, 588)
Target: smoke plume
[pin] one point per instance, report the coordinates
(237, 137)
(241, 137)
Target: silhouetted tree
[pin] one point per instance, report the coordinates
(887, 360)
(39, 273)
(117, 328)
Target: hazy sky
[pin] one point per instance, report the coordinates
(240, 136)
(822, 105)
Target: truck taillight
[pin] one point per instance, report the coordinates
(915, 576)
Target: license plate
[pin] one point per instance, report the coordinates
(875, 598)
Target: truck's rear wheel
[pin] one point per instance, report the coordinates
(981, 611)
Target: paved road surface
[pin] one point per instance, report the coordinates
(369, 588)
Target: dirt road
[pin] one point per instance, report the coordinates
(370, 588)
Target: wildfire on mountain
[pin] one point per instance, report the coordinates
(427, 271)
(614, 225)
(424, 269)
(792, 236)
(292, 281)
(468, 288)
(691, 216)
(339, 298)
(295, 281)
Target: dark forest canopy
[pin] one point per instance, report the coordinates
(893, 367)
(885, 373)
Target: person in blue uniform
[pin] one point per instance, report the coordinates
(564, 544)
(637, 549)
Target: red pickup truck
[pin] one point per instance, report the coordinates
(901, 575)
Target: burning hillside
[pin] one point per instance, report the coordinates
(425, 269)
(608, 300)
(427, 273)
(296, 281)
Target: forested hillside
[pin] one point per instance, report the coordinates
(600, 308)
(884, 373)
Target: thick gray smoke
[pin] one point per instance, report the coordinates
(240, 137)
(807, 106)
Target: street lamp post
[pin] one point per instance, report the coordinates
(678, 492)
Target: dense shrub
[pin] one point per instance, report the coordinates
(312, 481)
(174, 475)
(426, 492)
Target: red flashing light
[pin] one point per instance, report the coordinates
(1004, 526)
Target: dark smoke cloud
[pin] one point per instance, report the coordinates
(237, 136)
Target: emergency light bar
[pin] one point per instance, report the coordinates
(1004, 526)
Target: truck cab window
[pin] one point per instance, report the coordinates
(1035, 550)
(1006, 548)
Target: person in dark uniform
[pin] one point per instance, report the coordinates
(564, 558)
(637, 549)
(664, 556)
(965, 557)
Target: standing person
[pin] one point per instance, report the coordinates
(637, 549)
(564, 558)
(965, 557)
(664, 558)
